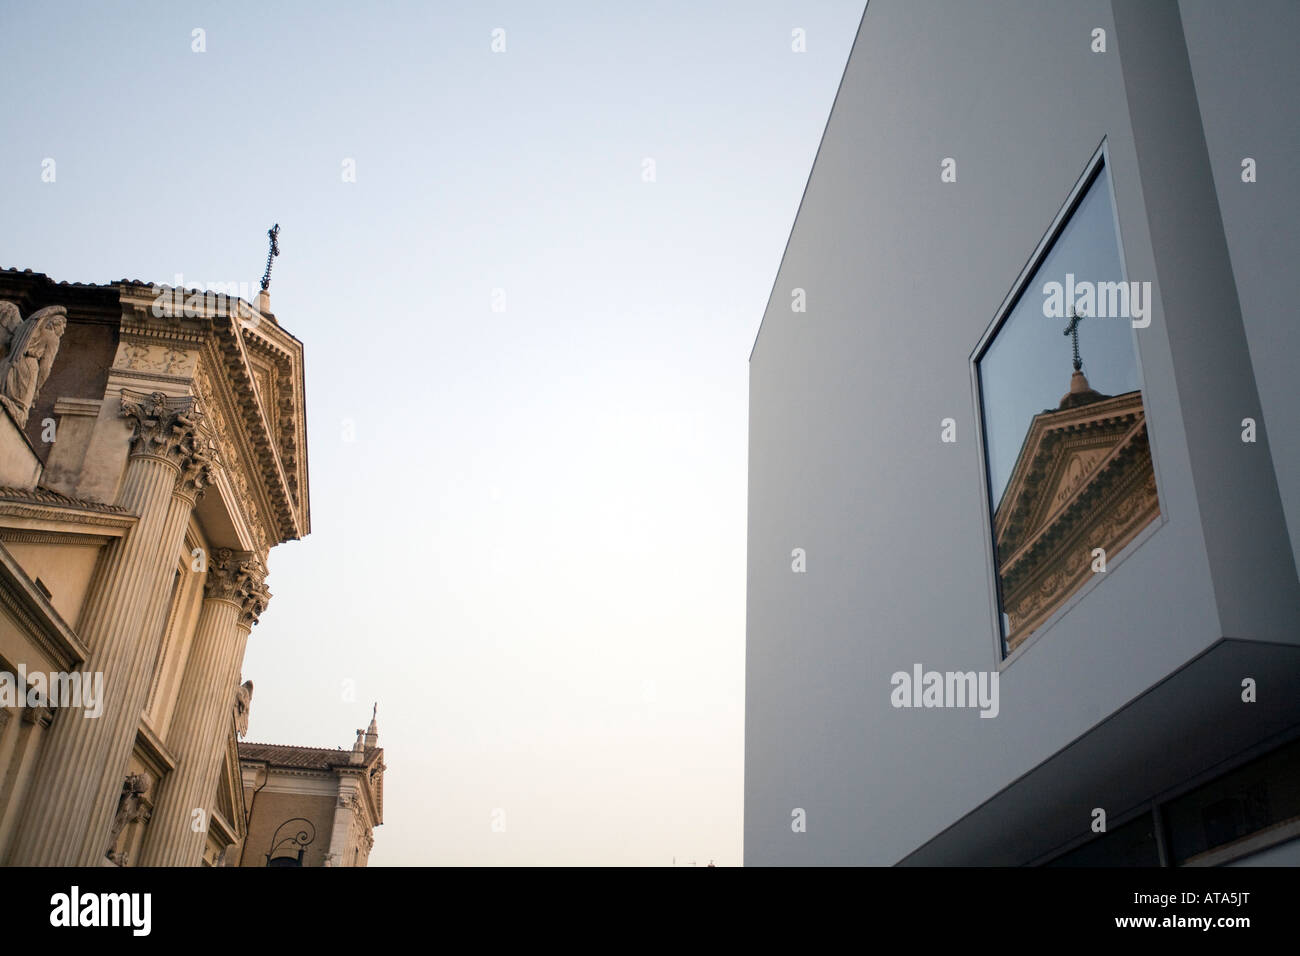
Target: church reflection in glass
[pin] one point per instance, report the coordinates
(1070, 475)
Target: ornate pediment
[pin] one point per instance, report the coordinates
(1084, 480)
(247, 372)
(1063, 453)
(274, 360)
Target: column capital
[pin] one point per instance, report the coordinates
(240, 578)
(256, 594)
(162, 426)
(198, 464)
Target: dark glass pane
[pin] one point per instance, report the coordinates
(1133, 844)
(1260, 795)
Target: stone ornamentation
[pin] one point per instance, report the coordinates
(29, 348)
(162, 426)
(239, 577)
(243, 707)
(131, 808)
(256, 595)
(198, 461)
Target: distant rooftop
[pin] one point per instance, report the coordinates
(302, 758)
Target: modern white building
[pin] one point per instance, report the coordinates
(1024, 487)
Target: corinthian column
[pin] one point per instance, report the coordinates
(234, 597)
(75, 791)
(196, 462)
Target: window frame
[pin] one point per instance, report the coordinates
(1099, 161)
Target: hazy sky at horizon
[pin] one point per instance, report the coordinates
(532, 553)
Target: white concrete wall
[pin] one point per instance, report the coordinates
(903, 274)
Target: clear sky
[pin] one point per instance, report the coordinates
(532, 551)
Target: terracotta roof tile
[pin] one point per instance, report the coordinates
(305, 758)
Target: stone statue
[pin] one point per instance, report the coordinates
(130, 809)
(243, 706)
(32, 346)
(10, 319)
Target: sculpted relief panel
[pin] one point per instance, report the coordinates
(154, 358)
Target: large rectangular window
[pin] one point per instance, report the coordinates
(1068, 462)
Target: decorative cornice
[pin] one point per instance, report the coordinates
(272, 436)
(324, 776)
(31, 517)
(256, 426)
(232, 443)
(153, 752)
(38, 536)
(85, 407)
(45, 496)
(223, 829)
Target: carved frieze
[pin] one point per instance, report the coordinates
(153, 357)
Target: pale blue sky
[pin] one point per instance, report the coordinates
(533, 553)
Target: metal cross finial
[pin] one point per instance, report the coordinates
(274, 235)
(1073, 329)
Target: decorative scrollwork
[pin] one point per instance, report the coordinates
(299, 840)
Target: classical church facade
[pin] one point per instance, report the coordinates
(153, 451)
